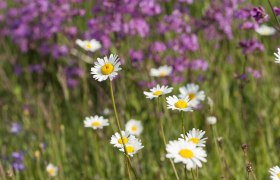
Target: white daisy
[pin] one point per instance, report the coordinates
(132, 147)
(52, 170)
(274, 173)
(162, 71)
(92, 45)
(117, 141)
(134, 127)
(106, 68)
(265, 30)
(157, 91)
(211, 120)
(277, 58)
(96, 122)
(192, 92)
(183, 104)
(195, 136)
(187, 153)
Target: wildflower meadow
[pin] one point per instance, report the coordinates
(139, 89)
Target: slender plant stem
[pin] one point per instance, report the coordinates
(119, 127)
(193, 176)
(128, 171)
(274, 15)
(183, 126)
(164, 139)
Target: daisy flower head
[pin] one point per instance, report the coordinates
(195, 136)
(265, 30)
(89, 45)
(187, 153)
(192, 92)
(132, 147)
(52, 170)
(106, 67)
(158, 91)
(277, 56)
(162, 71)
(181, 104)
(95, 122)
(274, 173)
(127, 138)
(211, 120)
(134, 127)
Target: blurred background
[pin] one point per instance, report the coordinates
(46, 89)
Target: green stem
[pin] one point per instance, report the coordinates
(193, 176)
(183, 126)
(164, 139)
(275, 17)
(119, 126)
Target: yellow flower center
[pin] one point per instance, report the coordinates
(158, 93)
(107, 69)
(278, 175)
(186, 153)
(88, 46)
(123, 140)
(129, 149)
(51, 171)
(162, 74)
(181, 104)
(134, 128)
(194, 140)
(95, 124)
(191, 96)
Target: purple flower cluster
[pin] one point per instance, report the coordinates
(251, 46)
(36, 24)
(73, 73)
(17, 161)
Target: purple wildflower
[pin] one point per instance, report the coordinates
(259, 14)
(17, 161)
(276, 10)
(15, 128)
(250, 46)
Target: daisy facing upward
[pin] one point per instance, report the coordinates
(193, 93)
(92, 45)
(158, 91)
(134, 127)
(95, 122)
(162, 71)
(106, 68)
(274, 173)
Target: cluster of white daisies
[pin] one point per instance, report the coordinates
(133, 128)
(188, 149)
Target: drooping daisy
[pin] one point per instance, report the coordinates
(96, 122)
(162, 71)
(192, 92)
(89, 45)
(52, 170)
(195, 136)
(211, 120)
(106, 68)
(183, 104)
(277, 58)
(117, 141)
(158, 91)
(274, 173)
(134, 127)
(187, 153)
(265, 30)
(132, 147)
